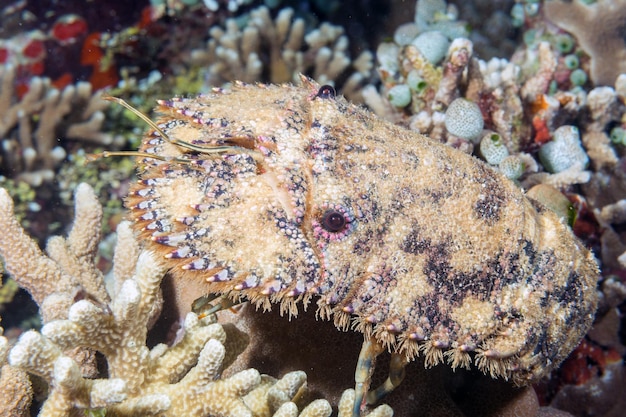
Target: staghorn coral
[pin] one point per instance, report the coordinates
(599, 28)
(16, 395)
(55, 280)
(141, 381)
(181, 380)
(278, 49)
(31, 126)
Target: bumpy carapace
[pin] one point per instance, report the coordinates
(288, 195)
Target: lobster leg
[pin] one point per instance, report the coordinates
(363, 374)
(396, 375)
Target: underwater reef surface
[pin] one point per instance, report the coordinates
(536, 89)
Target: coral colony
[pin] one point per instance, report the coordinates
(281, 193)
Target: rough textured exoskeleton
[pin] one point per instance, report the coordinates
(314, 200)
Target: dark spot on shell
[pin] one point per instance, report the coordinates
(490, 203)
(413, 243)
(365, 244)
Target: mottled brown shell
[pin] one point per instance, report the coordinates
(425, 248)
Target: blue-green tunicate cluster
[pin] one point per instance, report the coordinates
(433, 45)
(512, 167)
(399, 95)
(564, 151)
(493, 149)
(464, 119)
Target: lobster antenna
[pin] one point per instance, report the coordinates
(137, 113)
(149, 122)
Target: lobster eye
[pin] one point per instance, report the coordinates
(326, 91)
(333, 221)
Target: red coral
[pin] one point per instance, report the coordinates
(542, 132)
(68, 29)
(34, 49)
(589, 359)
(102, 75)
(4, 54)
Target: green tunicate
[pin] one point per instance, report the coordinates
(415, 81)
(578, 77)
(492, 149)
(512, 167)
(571, 61)
(399, 95)
(529, 37)
(517, 14)
(564, 43)
(618, 135)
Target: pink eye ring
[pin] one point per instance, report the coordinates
(333, 223)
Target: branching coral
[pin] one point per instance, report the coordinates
(181, 380)
(599, 27)
(31, 126)
(54, 281)
(277, 50)
(16, 395)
